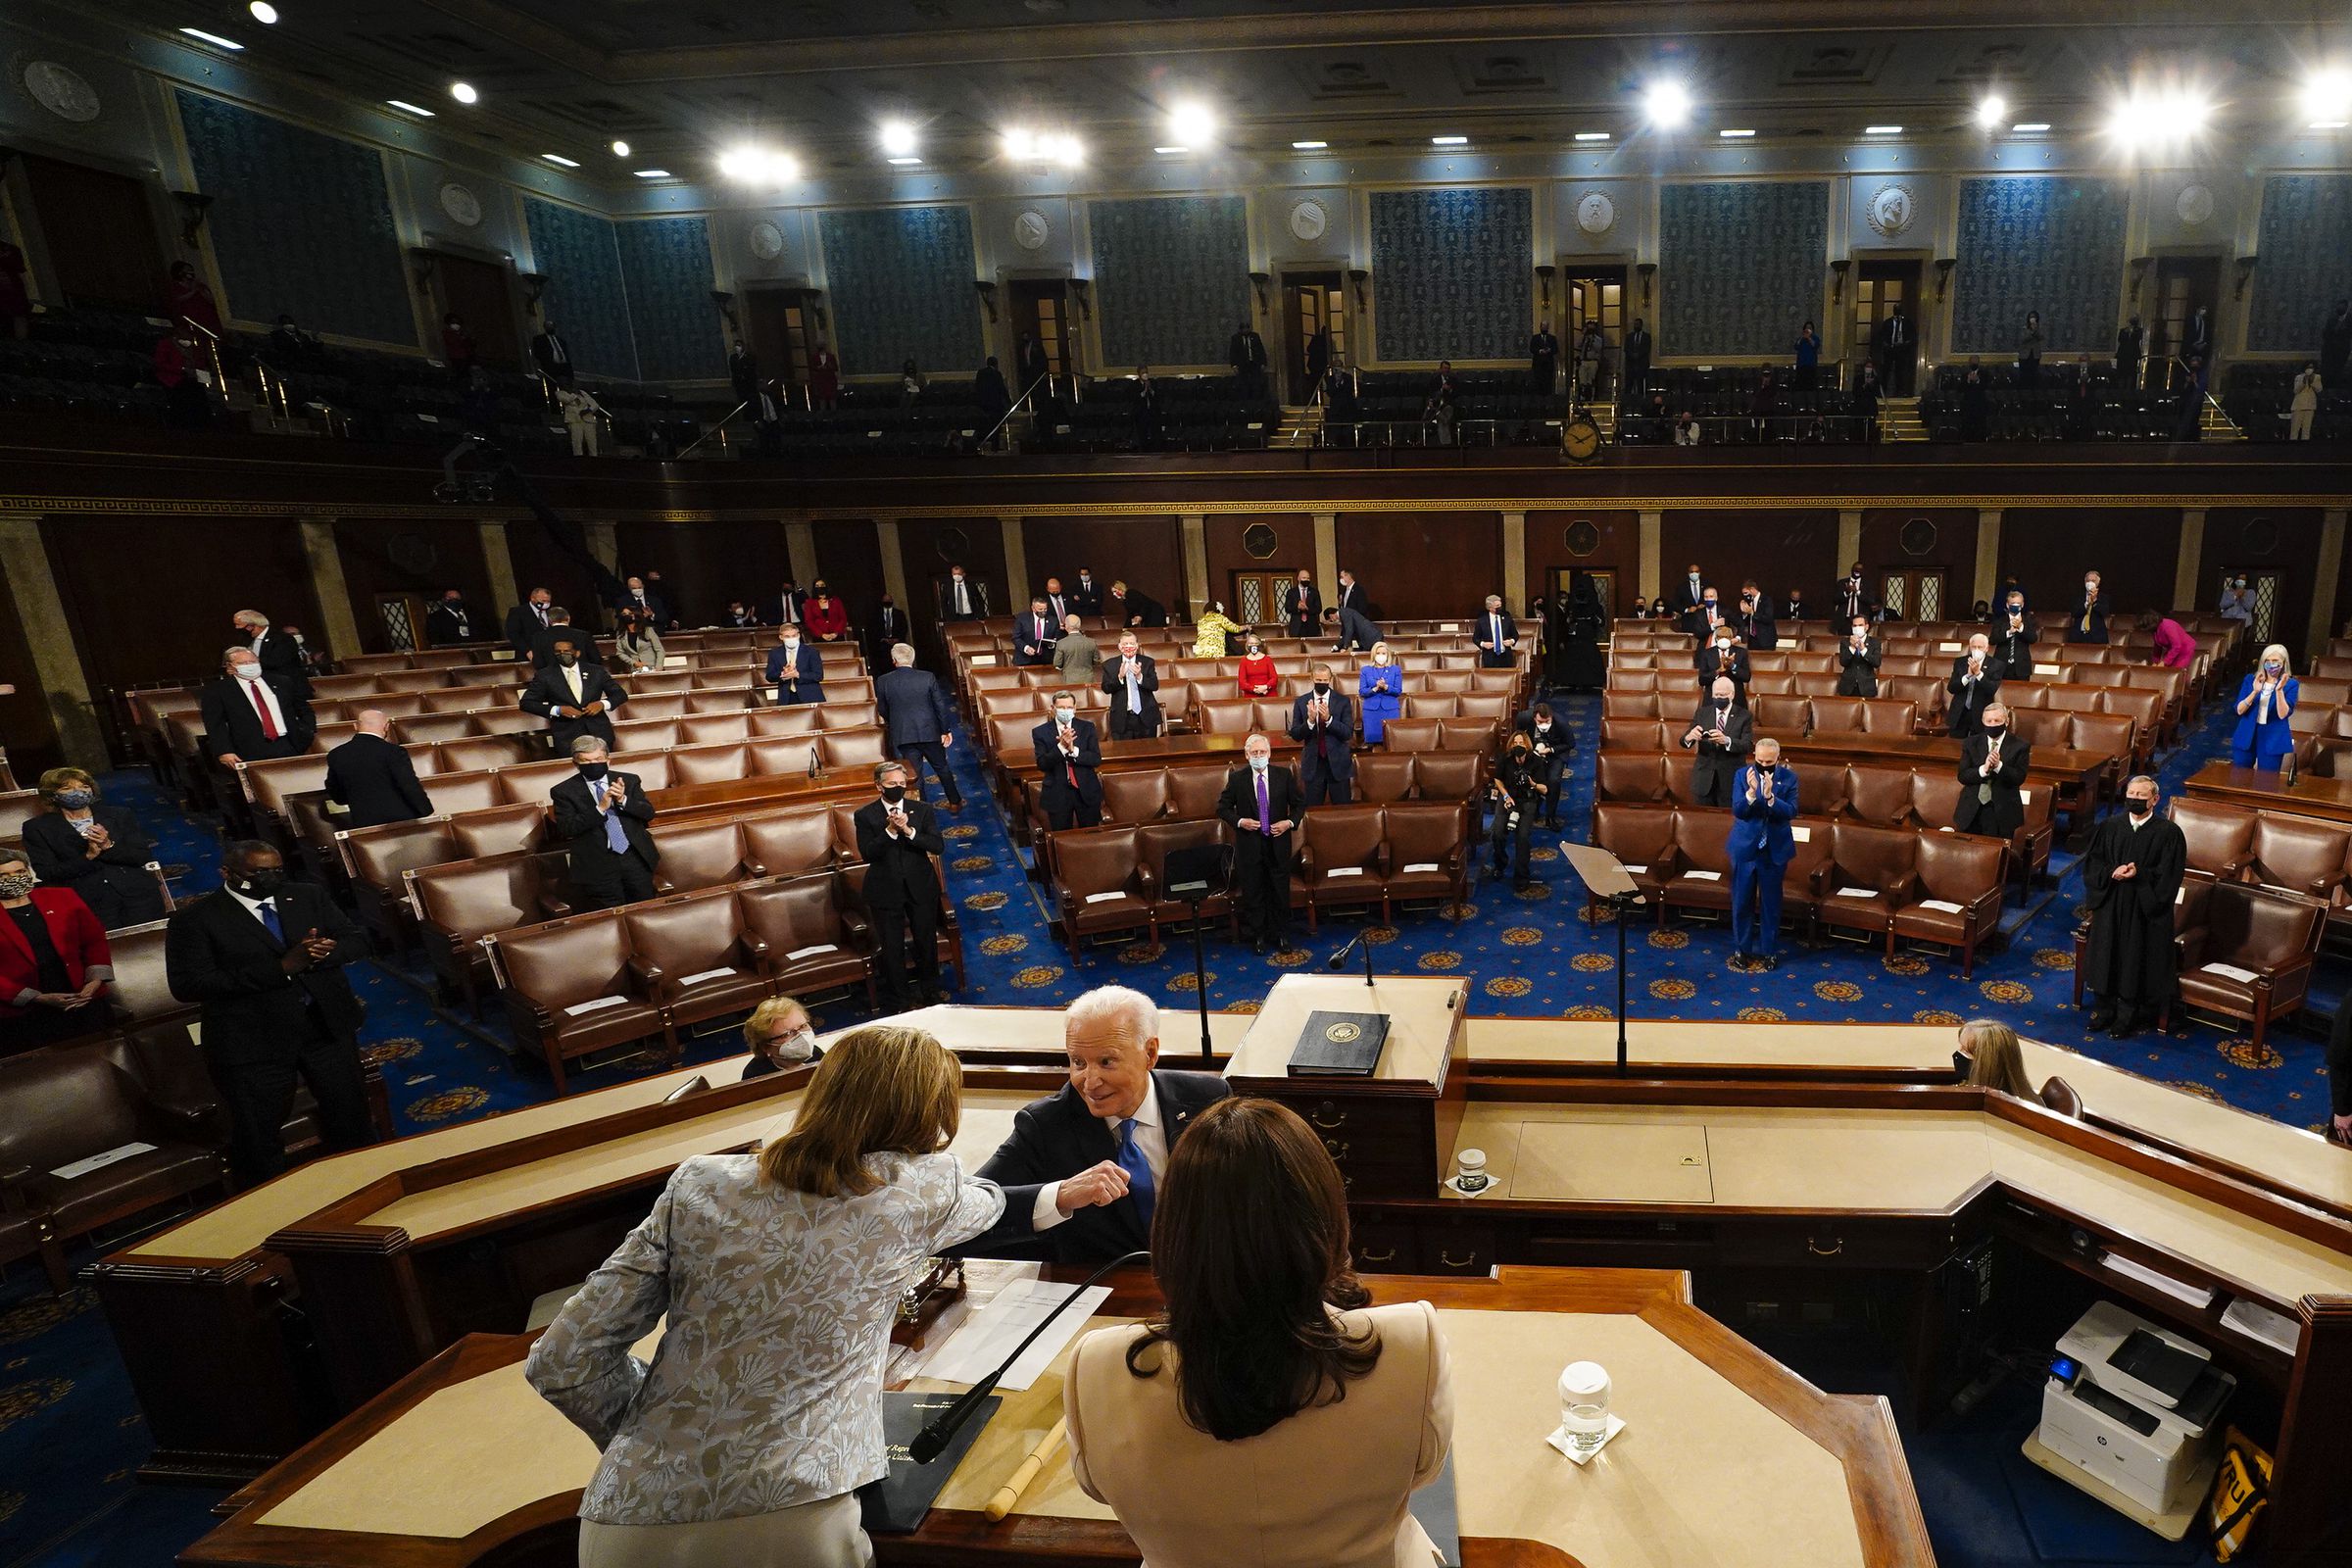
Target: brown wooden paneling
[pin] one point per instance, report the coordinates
(1294, 547)
(99, 231)
(1954, 546)
(540, 564)
(848, 551)
(1781, 550)
(424, 557)
(704, 564)
(151, 597)
(927, 546)
(1419, 565)
(1618, 551)
(2252, 538)
(27, 726)
(2135, 552)
(1145, 552)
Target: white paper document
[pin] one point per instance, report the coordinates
(1704, 876)
(82, 1168)
(598, 1005)
(721, 973)
(2178, 1290)
(1947, 906)
(798, 953)
(983, 661)
(988, 1334)
(1857, 893)
(1345, 870)
(1424, 865)
(2025, 797)
(1802, 835)
(1630, 868)
(2230, 971)
(2274, 1328)
(1103, 897)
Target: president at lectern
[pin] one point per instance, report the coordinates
(1082, 1167)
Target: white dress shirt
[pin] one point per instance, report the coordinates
(258, 692)
(1151, 1138)
(255, 906)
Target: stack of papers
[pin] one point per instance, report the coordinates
(988, 1334)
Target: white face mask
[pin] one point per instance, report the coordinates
(1380, 659)
(246, 672)
(1260, 764)
(1064, 715)
(2091, 587)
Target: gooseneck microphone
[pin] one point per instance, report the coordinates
(1338, 960)
(930, 1442)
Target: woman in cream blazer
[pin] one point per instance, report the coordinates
(1305, 1418)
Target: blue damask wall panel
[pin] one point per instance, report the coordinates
(1451, 273)
(585, 298)
(901, 281)
(2039, 242)
(666, 264)
(1740, 265)
(300, 224)
(1172, 277)
(2305, 261)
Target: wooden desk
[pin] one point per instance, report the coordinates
(2330, 800)
(726, 796)
(1165, 751)
(463, 1461)
(2074, 774)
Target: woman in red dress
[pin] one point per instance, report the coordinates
(191, 301)
(1258, 669)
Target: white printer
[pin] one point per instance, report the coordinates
(2130, 1409)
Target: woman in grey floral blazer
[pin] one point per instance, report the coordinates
(744, 1441)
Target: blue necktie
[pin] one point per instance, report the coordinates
(269, 923)
(1137, 1169)
(616, 837)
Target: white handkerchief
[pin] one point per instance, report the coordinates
(798, 953)
(1704, 876)
(1857, 893)
(1945, 905)
(1345, 870)
(2230, 971)
(719, 973)
(598, 1005)
(1424, 865)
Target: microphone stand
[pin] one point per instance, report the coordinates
(930, 1442)
(1361, 940)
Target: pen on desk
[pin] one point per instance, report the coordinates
(1019, 1482)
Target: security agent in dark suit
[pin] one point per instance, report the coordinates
(885, 632)
(796, 671)
(551, 355)
(1690, 594)
(1085, 595)
(1323, 723)
(1851, 598)
(1994, 763)
(247, 717)
(1082, 1168)
(960, 598)
(263, 958)
(1069, 756)
(1753, 620)
(543, 649)
(1131, 680)
(1721, 732)
(281, 655)
(1034, 631)
(372, 779)
(2013, 633)
(1264, 806)
(1975, 684)
(897, 837)
(1721, 655)
(600, 819)
(1549, 745)
(921, 729)
(529, 621)
(1128, 608)
(1498, 636)
(574, 697)
(1302, 607)
(447, 620)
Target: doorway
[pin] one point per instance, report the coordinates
(1257, 596)
(1041, 310)
(1880, 287)
(2268, 584)
(780, 324)
(99, 231)
(1312, 303)
(1604, 587)
(2184, 285)
(480, 294)
(1912, 593)
(1593, 294)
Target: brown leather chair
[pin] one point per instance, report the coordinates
(833, 716)
(1097, 886)
(1624, 678)
(1925, 692)
(1887, 715)
(1822, 788)
(1867, 878)
(2073, 698)
(1340, 859)
(1193, 791)
(2058, 1096)
(1156, 841)
(1427, 852)
(379, 859)
(851, 749)
(1770, 683)
(716, 764)
(1135, 796)
(1642, 837)
(1383, 776)
(2273, 937)
(532, 782)
(1789, 717)
(1634, 776)
(808, 943)
(571, 991)
(2221, 838)
(2299, 856)
(478, 754)
(1635, 735)
(170, 1069)
(1441, 704)
(694, 958)
(1960, 869)
(644, 703)
(1409, 735)
(141, 993)
(699, 730)
(2111, 734)
(499, 830)
(636, 735)
(1880, 795)
(430, 729)
(841, 817)
(1447, 777)
(789, 843)
(1632, 705)
(1934, 797)
(798, 720)
(1837, 715)
(1485, 705)
(1800, 883)
(1477, 735)
(1225, 716)
(696, 855)
(1698, 875)
(461, 902)
(2043, 728)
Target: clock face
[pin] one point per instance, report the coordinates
(61, 90)
(1581, 440)
(1031, 230)
(462, 205)
(766, 241)
(1596, 214)
(1309, 221)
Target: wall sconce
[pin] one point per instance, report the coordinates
(1082, 291)
(1837, 270)
(534, 287)
(988, 297)
(1544, 275)
(192, 206)
(815, 301)
(2139, 271)
(726, 308)
(2245, 276)
(1359, 278)
(1944, 277)
(422, 268)
(1650, 275)
(1258, 281)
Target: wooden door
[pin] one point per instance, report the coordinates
(2268, 584)
(2184, 285)
(1914, 592)
(1593, 294)
(1041, 310)
(99, 231)
(1877, 290)
(1604, 587)
(1312, 303)
(481, 294)
(782, 328)
(1257, 597)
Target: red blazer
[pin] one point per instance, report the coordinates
(78, 938)
(828, 619)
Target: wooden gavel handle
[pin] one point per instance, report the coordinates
(1019, 1482)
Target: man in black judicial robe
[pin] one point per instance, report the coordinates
(1993, 765)
(2131, 875)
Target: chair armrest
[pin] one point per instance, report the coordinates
(761, 955)
(757, 869)
(1145, 881)
(656, 984)
(2191, 943)
(13, 1199)
(855, 923)
(1384, 862)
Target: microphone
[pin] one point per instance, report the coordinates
(932, 1441)
(1363, 939)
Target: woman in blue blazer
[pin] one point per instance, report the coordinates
(2264, 699)
(1380, 689)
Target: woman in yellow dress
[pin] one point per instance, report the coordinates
(1214, 628)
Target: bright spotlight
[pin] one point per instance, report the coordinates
(621, 149)
(463, 92)
(898, 138)
(758, 165)
(2327, 96)
(263, 12)
(1667, 104)
(1020, 145)
(1068, 151)
(1192, 124)
(1990, 109)
(2158, 119)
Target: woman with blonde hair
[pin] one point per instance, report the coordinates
(1995, 1059)
(2266, 698)
(743, 1441)
(1211, 630)
(100, 852)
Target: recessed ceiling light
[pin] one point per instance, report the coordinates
(1881, 130)
(2329, 125)
(1170, 152)
(2326, 98)
(1450, 141)
(214, 39)
(2029, 126)
(407, 108)
(653, 173)
(1309, 146)
(1192, 122)
(1667, 104)
(463, 92)
(904, 162)
(1032, 147)
(264, 13)
(1741, 133)
(1992, 109)
(759, 165)
(898, 138)
(621, 149)
(559, 158)
(1591, 135)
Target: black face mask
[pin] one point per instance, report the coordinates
(894, 792)
(1322, 688)
(263, 883)
(2141, 808)
(1995, 731)
(595, 771)
(567, 659)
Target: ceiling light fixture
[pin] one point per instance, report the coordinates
(1309, 146)
(2029, 127)
(263, 12)
(1032, 147)
(215, 39)
(898, 138)
(757, 165)
(407, 108)
(463, 92)
(1170, 152)
(1741, 133)
(1881, 130)
(621, 149)
(2327, 99)
(561, 161)
(1591, 135)
(653, 173)
(1450, 141)
(1667, 104)
(1990, 109)
(1192, 124)
(2329, 125)
(907, 162)
(2158, 119)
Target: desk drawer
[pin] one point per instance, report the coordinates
(1457, 1249)
(1831, 1241)
(1385, 1147)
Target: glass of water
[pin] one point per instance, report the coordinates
(1585, 1405)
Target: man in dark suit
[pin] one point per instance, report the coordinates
(796, 671)
(1976, 680)
(1301, 606)
(1994, 763)
(1859, 660)
(1323, 723)
(1352, 595)
(1689, 594)
(2087, 622)
(1082, 1168)
(263, 958)
(1264, 806)
(1701, 621)
(372, 779)
(247, 717)
(790, 602)
(1795, 609)
(1851, 598)
(1128, 608)
(914, 712)
(1897, 353)
(1498, 636)
(739, 615)
(543, 651)
(1085, 599)
(1753, 620)
(449, 620)
(897, 837)
(885, 632)
(2014, 631)
(551, 355)
(1246, 354)
(1549, 745)
(281, 657)
(1069, 756)
(1721, 733)
(639, 596)
(1058, 602)
(528, 622)
(1761, 846)
(1033, 633)
(600, 819)
(962, 598)
(1133, 682)
(1720, 654)
(575, 698)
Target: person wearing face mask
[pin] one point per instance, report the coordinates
(1069, 755)
(739, 615)
(897, 838)
(1132, 682)
(1753, 620)
(559, 624)
(600, 817)
(529, 621)
(263, 958)
(1761, 846)
(1086, 594)
(1719, 655)
(1257, 675)
(2131, 875)
(1498, 636)
(1350, 629)
(449, 621)
(884, 632)
(1323, 723)
(246, 718)
(1794, 607)
(2013, 630)
(1211, 630)
(1379, 691)
(1691, 595)
(1264, 806)
(825, 617)
(1850, 599)
(1516, 796)
(1549, 745)
(99, 851)
(54, 961)
(960, 598)
(1721, 733)
(1703, 618)
(576, 697)
(2087, 622)
(2238, 600)
(283, 664)
(2266, 698)
(1302, 607)
(638, 647)
(780, 1034)
(1859, 660)
(1994, 762)
(916, 717)
(796, 671)
(1033, 633)
(1975, 678)
(644, 598)
(2176, 649)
